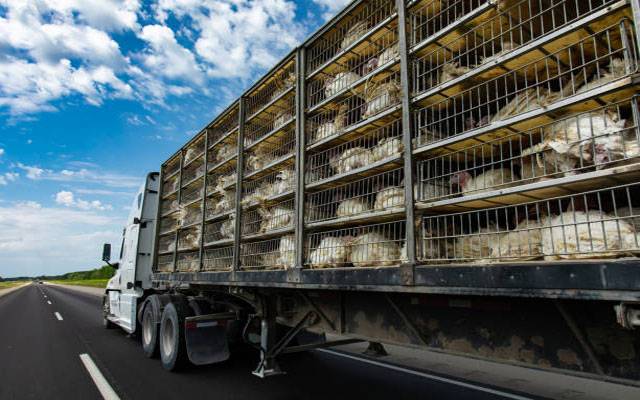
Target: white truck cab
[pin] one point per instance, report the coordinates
(133, 269)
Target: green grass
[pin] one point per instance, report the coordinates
(7, 285)
(99, 283)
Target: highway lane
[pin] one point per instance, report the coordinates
(40, 358)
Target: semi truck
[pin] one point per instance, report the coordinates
(455, 175)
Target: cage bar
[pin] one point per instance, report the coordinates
(596, 60)
(218, 259)
(363, 246)
(276, 253)
(590, 225)
(268, 187)
(372, 194)
(590, 141)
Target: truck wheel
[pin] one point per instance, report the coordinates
(173, 349)
(149, 332)
(106, 310)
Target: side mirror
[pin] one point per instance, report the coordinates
(106, 252)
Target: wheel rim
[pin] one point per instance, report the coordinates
(168, 336)
(146, 329)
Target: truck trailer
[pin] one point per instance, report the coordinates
(455, 175)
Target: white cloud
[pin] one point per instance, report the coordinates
(37, 240)
(82, 175)
(32, 171)
(239, 38)
(1, 151)
(67, 199)
(8, 177)
(331, 7)
(167, 57)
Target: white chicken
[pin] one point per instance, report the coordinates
(227, 228)
(225, 151)
(341, 81)
(630, 215)
(523, 243)
(450, 71)
(281, 118)
(285, 181)
(591, 234)
(617, 68)
(385, 56)
(189, 239)
(350, 159)
(333, 251)
(333, 127)
(389, 197)
(483, 182)
(287, 252)
(275, 218)
(353, 206)
(188, 262)
(192, 153)
(373, 249)
(380, 96)
(386, 148)
(353, 34)
(476, 245)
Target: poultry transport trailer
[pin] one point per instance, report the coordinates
(457, 175)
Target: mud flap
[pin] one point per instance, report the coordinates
(206, 338)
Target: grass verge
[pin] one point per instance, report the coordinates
(10, 284)
(99, 283)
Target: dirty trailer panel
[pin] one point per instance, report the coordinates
(461, 175)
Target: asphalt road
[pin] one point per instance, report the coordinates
(40, 358)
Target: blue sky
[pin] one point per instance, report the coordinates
(93, 95)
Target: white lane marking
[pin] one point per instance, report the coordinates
(48, 302)
(104, 388)
(58, 316)
(428, 376)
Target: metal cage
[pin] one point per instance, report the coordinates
(363, 246)
(593, 224)
(276, 253)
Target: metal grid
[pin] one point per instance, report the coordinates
(594, 224)
(580, 143)
(220, 205)
(193, 171)
(189, 239)
(586, 64)
(165, 263)
(188, 262)
(193, 192)
(219, 230)
(372, 194)
(276, 119)
(221, 180)
(269, 151)
(268, 187)
(194, 151)
(379, 144)
(223, 127)
(512, 27)
(190, 215)
(222, 151)
(428, 18)
(282, 81)
(167, 244)
(276, 253)
(349, 31)
(171, 167)
(267, 219)
(218, 259)
(170, 186)
(364, 246)
(168, 224)
(374, 56)
(379, 93)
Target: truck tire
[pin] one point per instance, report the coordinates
(173, 348)
(149, 334)
(106, 310)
